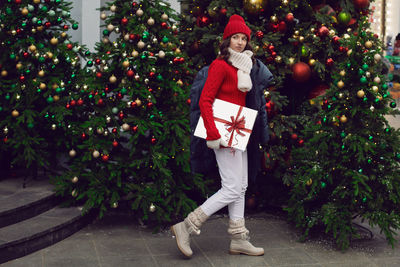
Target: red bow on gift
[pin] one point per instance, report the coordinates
(235, 125)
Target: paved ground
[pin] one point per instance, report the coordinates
(120, 241)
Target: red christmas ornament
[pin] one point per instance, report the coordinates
(134, 128)
(72, 103)
(25, 54)
(323, 31)
(134, 4)
(164, 25)
(83, 136)
(124, 21)
(69, 46)
(114, 143)
(300, 142)
(130, 73)
(119, 96)
(133, 104)
(271, 48)
(294, 136)
(282, 26)
(105, 158)
(121, 115)
(301, 72)
(47, 24)
(22, 78)
(361, 4)
(153, 140)
(202, 21)
(99, 74)
(100, 102)
(329, 62)
(19, 31)
(152, 74)
(79, 102)
(18, 1)
(67, 106)
(114, 130)
(342, 49)
(318, 91)
(150, 104)
(97, 61)
(65, 27)
(188, 101)
(289, 18)
(259, 34)
(223, 11)
(5, 139)
(181, 60)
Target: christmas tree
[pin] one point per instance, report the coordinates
(298, 41)
(40, 65)
(349, 165)
(133, 125)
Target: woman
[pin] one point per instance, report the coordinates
(231, 77)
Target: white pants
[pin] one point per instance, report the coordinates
(232, 166)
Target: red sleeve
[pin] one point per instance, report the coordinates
(216, 75)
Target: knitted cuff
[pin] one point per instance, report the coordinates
(195, 220)
(237, 228)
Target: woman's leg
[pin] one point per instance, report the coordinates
(236, 208)
(231, 168)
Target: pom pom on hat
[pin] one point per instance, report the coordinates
(235, 25)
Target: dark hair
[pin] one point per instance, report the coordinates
(224, 52)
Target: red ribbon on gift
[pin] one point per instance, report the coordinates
(235, 125)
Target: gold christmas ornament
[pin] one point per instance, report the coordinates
(309, 182)
(15, 113)
(161, 54)
(377, 57)
(74, 180)
(125, 63)
(41, 73)
(95, 154)
(301, 39)
(53, 41)
(63, 34)
(114, 205)
(56, 98)
(53, 127)
(150, 21)
(291, 61)
(340, 95)
(349, 52)
(179, 82)
(42, 86)
(49, 55)
(342, 73)
(113, 79)
(18, 65)
(139, 12)
(74, 193)
(4, 73)
(340, 84)
(32, 48)
(377, 79)
(368, 44)
(278, 59)
(110, 27)
(274, 19)
(72, 153)
(103, 15)
(138, 102)
(254, 7)
(152, 208)
(164, 16)
(141, 44)
(343, 119)
(311, 62)
(375, 89)
(36, 1)
(360, 93)
(125, 127)
(135, 53)
(113, 8)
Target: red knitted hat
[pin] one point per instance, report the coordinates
(235, 25)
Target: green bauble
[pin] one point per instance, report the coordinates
(304, 51)
(393, 104)
(363, 80)
(344, 17)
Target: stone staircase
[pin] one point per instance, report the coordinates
(31, 219)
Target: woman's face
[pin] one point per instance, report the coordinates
(238, 42)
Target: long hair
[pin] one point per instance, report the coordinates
(224, 52)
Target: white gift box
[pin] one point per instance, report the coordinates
(233, 122)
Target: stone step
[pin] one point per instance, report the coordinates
(18, 203)
(27, 236)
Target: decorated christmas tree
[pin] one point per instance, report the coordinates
(133, 125)
(349, 165)
(39, 66)
(298, 41)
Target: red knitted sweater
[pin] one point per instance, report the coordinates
(221, 83)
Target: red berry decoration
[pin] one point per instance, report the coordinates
(114, 143)
(153, 140)
(301, 142)
(259, 34)
(121, 115)
(83, 136)
(301, 72)
(134, 128)
(105, 158)
(361, 4)
(72, 103)
(22, 78)
(79, 102)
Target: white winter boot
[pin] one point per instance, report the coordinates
(183, 230)
(240, 240)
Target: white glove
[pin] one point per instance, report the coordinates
(215, 144)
